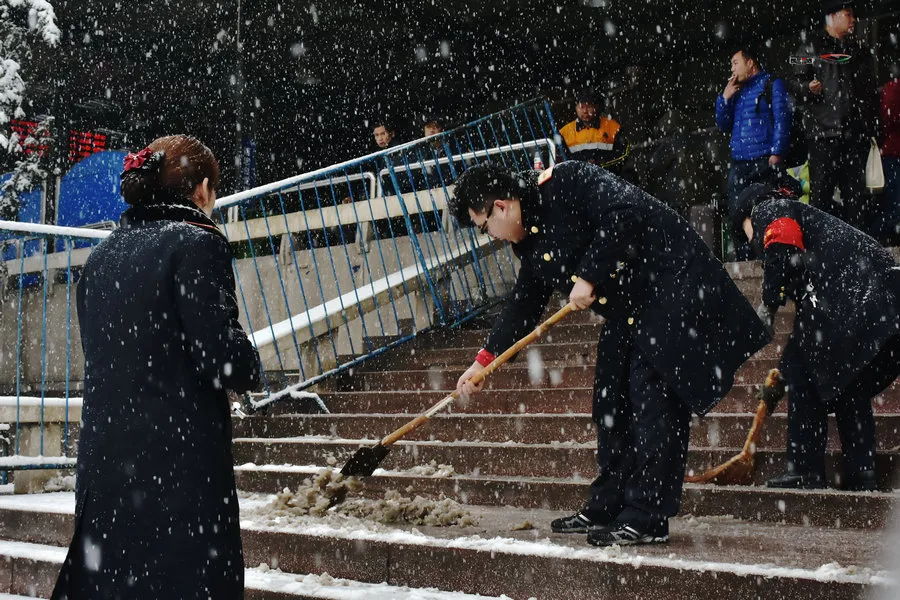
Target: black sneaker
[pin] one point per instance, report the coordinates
(622, 534)
(797, 481)
(577, 523)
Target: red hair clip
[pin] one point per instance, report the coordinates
(137, 160)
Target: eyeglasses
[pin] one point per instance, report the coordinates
(483, 228)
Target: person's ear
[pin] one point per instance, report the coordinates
(202, 194)
(501, 204)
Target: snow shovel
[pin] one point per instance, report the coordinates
(364, 462)
(738, 470)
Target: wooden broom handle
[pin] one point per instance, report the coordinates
(481, 375)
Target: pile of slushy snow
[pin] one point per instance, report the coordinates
(316, 495)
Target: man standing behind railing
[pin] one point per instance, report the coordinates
(596, 139)
(756, 110)
(677, 327)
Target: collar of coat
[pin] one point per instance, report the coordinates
(589, 124)
(168, 208)
(532, 205)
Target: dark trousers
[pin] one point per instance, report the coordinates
(742, 174)
(840, 163)
(886, 221)
(852, 408)
(642, 441)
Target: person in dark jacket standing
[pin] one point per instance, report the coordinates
(677, 328)
(845, 345)
(156, 511)
(756, 110)
(835, 83)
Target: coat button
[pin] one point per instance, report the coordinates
(612, 275)
(547, 257)
(602, 300)
(574, 278)
(631, 320)
(534, 229)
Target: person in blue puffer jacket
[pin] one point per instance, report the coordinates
(758, 114)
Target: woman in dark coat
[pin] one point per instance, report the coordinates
(845, 345)
(677, 328)
(156, 511)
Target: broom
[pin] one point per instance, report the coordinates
(738, 470)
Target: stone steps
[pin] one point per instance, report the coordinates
(409, 358)
(32, 568)
(566, 459)
(519, 375)
(818, 508)
(491, 558)
(716, 430)
(560, 400)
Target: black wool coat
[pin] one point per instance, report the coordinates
(156, 508)
(846, 288)
(653, 277)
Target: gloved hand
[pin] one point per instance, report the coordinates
(766, 314)
(773, 390)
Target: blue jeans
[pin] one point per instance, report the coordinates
(741, 175)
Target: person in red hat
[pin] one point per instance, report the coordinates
(845, 344)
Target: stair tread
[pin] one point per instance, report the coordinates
(701, 543)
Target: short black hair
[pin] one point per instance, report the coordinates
(384, 123)
(767, 185)
(480, 185)
(429, 118)
(751, 53)
(586, 95)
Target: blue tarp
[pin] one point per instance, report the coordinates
(89, 193)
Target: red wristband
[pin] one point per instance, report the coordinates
(484, 358)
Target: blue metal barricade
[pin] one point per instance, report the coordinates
(341, 264)
(332, 267)
(38, 404)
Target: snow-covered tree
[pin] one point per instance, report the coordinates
(22, 23)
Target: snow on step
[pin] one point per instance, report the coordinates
(324, 586)
(36, 552)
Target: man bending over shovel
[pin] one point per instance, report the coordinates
(677, 328)
(845, 345)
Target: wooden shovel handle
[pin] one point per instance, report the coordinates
(481, 375)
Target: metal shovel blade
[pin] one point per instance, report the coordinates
(364, 462)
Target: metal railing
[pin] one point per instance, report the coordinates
(339, 265)
(38, 404)
(332, 268)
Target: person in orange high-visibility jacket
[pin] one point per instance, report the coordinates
(593, 138)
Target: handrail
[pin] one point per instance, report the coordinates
(444, 160)
(338, 306)
(312, 175)
(73, 232)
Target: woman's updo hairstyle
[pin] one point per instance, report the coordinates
(170, 166)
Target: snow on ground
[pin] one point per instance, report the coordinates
(546, 548)
(316, 495)
(432, 469)
(325, 586)
(255, 516)
(55, 502)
